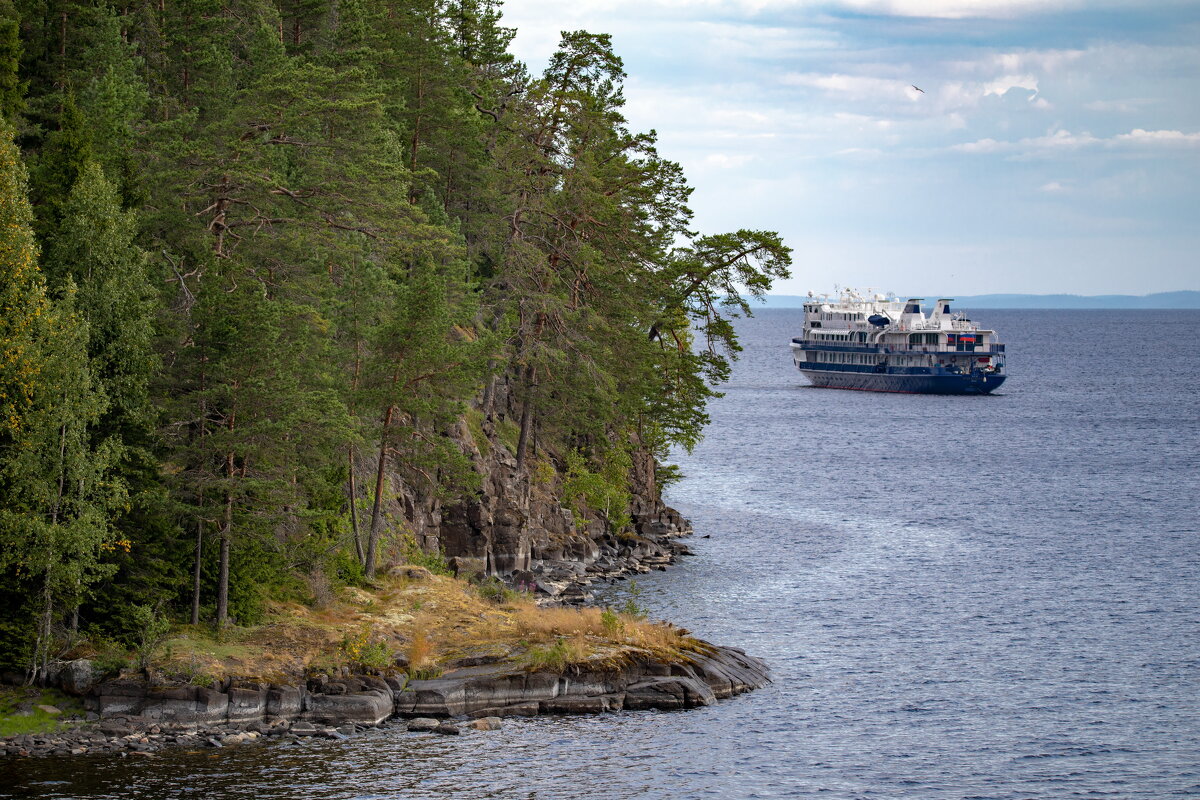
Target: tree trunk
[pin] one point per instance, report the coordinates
(41, 650)
(526, 418)
(223, 583)
(377, 507)
(223, 561)
(489, 394)
(196, 572)
(200, 520)
(358, 548)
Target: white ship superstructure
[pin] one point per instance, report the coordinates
(876, 342)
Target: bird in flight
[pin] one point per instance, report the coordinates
(918, 88)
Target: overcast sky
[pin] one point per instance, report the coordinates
(1055, 147)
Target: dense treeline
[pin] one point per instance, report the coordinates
(247, 245)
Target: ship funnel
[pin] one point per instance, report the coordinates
(912, 312)
(941, 310)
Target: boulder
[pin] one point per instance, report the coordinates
(370, 707)
(117, 697)
(574, 704)
(247, 705)
(79, 677)
(188, 704)
(485, 724)
(303, 728)
(668, 693)
(448, 729)
(284, 701)
(423, 724)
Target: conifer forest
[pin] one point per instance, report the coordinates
(256, 256)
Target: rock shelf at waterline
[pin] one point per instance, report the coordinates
(134, 717)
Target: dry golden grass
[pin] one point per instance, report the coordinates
(540, 623)
(420, 650)
(432, 620)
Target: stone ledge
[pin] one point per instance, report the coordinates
(129, 711)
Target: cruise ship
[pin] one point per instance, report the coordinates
(881, 344)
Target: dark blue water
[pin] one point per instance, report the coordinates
(962, 597)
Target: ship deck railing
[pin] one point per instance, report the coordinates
(859, 347)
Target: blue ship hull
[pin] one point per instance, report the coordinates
(907, 382)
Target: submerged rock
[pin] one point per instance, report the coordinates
(485, 724)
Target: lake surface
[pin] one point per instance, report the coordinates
(961, 597)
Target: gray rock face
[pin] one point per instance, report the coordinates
(285, 701)
(369, 707)
(516, 524)
(499, 691)
(246, 704)
(486, 690)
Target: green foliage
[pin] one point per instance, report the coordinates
(111, 658)
(23, 305)
(611, 622)
(152, 630)
(365, 650)
(632, 606)
(543, 472)
(274, 249)
(347, 568)
(495, 590)
(412, 553)
(604, 490)
(60, 492)
(12, 89)
(474, 419)
(549, 658)
(19, 712)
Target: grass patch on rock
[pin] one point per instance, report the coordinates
(21, 710)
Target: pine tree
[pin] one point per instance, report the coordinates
(425, 365)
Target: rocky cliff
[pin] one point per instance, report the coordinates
(518, 527)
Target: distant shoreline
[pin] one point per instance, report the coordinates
(1160, 300)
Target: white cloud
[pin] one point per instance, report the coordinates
(1053, 187)
(1060, 140)
(982, 146)
(1016, 62)
(1139, 136)
(726, 160)
(1119, 106)
(1001, 85)
(858, 87)
(961, 9)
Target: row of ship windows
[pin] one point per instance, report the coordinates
(828, 315)
(866, 358)
(844, 358)
(839, 337)
(962, 344)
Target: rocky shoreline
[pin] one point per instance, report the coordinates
(133, 717)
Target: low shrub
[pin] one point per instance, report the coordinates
(495, 590)
(558, 656)
(417, 556)
(366, 650)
